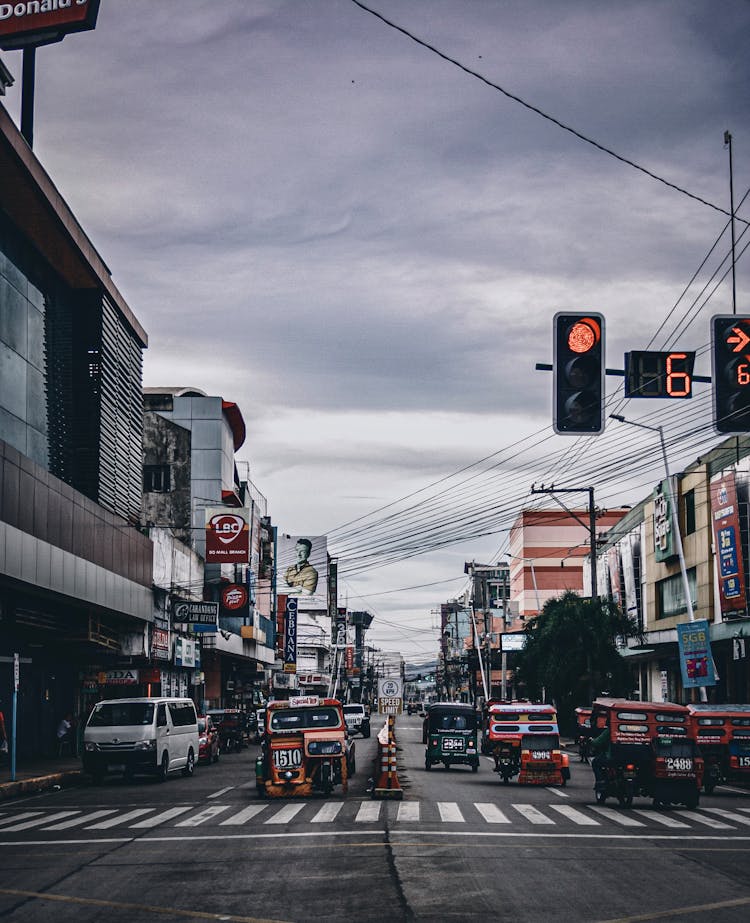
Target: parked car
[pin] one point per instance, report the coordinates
(357, 719)
(153, 736)
(209, 748)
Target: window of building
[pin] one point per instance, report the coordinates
(689, 509)
(156, 479)
(671, 595)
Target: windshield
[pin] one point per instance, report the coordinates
(201, 725)
(356, 710)
(121, 714)
(292, 719)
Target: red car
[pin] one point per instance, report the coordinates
(208, 740)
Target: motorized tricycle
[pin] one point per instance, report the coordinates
(723, 737)
(524, 740)
(304, 748)
(232, 726)
(450, 733)
(644, 748)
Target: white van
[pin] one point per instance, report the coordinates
(148, 735)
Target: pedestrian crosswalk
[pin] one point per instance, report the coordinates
(360, 814)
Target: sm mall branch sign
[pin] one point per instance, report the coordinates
(38, 22)
(227, 537)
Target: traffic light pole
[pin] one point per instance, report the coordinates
(591, 527)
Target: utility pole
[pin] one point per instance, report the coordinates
(728, 143)
(591, 527)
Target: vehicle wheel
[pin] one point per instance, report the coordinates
(626, 801)
(427, 765)
(447, 764)
(692, 803)
(475, 767)
(708, 787)
(366, 733)
(217, 754)
(261, 790)
(656, 803)
(163, 768)
(601, 797)
(353, 766)
(189, 766)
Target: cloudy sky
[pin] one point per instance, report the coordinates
(363, 243)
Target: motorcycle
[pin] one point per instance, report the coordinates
(618, 781)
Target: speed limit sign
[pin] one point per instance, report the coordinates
(389, 688)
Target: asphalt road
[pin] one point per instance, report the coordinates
(459, 846)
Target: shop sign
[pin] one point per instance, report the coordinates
(725, 521)
(204, 613)
(160, 644)
(349, 658)
(227, 537)
(310, 679)
(37, 22)
(285, 681)
(151, 675)
(119, 678)
(290, 637)
(184, 652)
(234, 598)
(696, 661)
(663, 539)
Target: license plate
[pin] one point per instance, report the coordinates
(540, 754)
(290, 758)
(116, 767)
(453, 743)
(679, 763)
(744, 762)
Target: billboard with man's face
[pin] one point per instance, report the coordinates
(302, 570)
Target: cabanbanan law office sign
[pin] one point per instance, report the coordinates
(37, 22)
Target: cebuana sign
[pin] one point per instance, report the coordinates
(37, 22)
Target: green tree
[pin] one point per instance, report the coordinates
(571, 652)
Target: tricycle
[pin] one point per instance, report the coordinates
(644, 748)
(524, 740)
(450, 735)
(723, 737)
(304, 748)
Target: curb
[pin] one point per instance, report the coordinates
(40, 783)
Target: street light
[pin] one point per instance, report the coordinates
(675, 519)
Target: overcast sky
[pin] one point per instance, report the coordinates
(363, 245)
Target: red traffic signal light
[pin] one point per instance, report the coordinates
(579, 371)
(730, 374)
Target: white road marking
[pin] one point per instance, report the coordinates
(369, 811)
(285, 814)
(204, 815)
(578, 817)
(708, 821)
(492, 813)
(38, 821)
(408, 810)
(328, 813)
(559, 792)
(243, 816)
(532, 814)
(161, 818)
(617, 816)
(222, 791)
(450, 812)
(120, 819)
(80, 821)
(16, 817)
(730, 815)
(666, 820)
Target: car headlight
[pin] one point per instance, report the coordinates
(90, 747)
(203, 741)
(145, 745)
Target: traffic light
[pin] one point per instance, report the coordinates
(730, 374)
(578, 373)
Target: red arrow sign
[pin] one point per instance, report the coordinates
(741, 340)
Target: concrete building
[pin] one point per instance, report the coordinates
(189, 465)
(75, 571)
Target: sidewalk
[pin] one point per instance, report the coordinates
(35, 775)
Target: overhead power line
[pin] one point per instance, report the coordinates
(540, 112)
